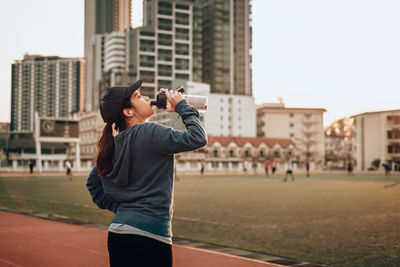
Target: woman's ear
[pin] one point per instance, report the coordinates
(128, 112)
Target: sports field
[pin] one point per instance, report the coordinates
(328, 218)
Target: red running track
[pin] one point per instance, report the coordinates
(29, 241)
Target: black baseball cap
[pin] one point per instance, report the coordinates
(111, 104)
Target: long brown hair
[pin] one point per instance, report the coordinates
(106, 145)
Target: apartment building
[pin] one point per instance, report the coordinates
(303, 125)
(46, 92)
(376, 137)
(50, 85)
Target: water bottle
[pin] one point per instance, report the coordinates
(195, 101)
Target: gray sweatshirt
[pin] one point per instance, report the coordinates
(139, 189)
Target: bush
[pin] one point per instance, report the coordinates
(375, 163)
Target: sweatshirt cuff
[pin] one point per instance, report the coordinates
(180, 105)
(183, 107)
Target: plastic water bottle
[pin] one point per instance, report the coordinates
(195, 101)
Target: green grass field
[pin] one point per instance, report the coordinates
(328, 218)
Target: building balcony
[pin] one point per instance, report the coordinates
(145, 68)
(147, 53)
(309, 130)
(308, 122)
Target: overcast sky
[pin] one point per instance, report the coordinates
(340, 55)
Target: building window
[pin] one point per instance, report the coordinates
(182, 76)
(291, 115)
(215, 153)
(291, 125)
(180, 6)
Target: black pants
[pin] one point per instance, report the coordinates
(135, 250)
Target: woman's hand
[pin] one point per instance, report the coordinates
(173, 97)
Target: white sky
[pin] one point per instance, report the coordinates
(342, 55)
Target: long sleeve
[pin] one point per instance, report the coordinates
(95, 187)
(170, 141)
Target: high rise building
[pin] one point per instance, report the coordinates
(49, 85)
(46, 92)
(101, 16)
(104, 16)
(159, 52)
(218, 35)
(122, 15)
(227, 42)
(167, 55)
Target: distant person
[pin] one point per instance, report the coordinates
(350, 169)
(289, 170)
(68, 167)
(273, 167)
(388, 168)
(134, 174)
(307, 168)
(245, 163)
(266, 165)
(203, 166)
(254, 166)
(31, 166)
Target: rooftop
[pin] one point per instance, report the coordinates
(255, 141)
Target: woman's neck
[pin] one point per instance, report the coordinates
(134, 121)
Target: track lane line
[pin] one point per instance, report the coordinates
(9, 263)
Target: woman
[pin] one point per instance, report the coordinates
(134, 174)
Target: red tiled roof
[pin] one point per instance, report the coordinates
(290, 109)
(255, 141)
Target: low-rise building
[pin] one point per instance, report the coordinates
(376, 137)
(302, 125)
(227, 153)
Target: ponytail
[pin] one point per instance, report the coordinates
(105, 148)
(106, 145)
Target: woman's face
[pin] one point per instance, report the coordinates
(142, 105)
